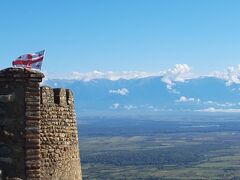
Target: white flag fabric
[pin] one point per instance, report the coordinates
(33, 60)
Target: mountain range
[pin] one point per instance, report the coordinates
(152, 95)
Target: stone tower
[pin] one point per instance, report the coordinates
(38, 129)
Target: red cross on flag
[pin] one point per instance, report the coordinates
(33, 60)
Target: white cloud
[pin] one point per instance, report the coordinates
(216, 104)
(179, 73)
(209, 102)
(182, 99)
(129, 107)
(231, 75)
(227, 104)
(122, 91)
(215, 110)
(115, 106)
(150, 107)
(186, 99)
(110, 75)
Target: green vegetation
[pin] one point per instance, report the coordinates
(211, 154)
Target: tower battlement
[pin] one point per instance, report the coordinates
(60, 96)
(38, 129)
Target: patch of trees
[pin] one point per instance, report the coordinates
(178, 156)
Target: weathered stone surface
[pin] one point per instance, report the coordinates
(11, 126)
(59, 142)
(38, 130)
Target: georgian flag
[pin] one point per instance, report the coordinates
(33, 60)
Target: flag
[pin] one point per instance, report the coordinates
(33, 60)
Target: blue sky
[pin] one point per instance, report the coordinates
(123, 35)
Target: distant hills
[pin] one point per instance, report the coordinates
(152, 94)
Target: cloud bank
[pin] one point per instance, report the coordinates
(179, 73)
(218, 110)
(110, 75)
(231, 75)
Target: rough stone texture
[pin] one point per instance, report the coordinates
(59, 139)
(38, 132)
(15, 132)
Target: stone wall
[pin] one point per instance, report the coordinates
(38, 132)
(12, 128)
(19, 123)
(59, 140)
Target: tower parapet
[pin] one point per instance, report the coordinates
(38, 129)
(59, 139)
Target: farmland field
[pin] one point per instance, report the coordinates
(181, 147)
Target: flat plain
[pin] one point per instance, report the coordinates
(164, 147)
